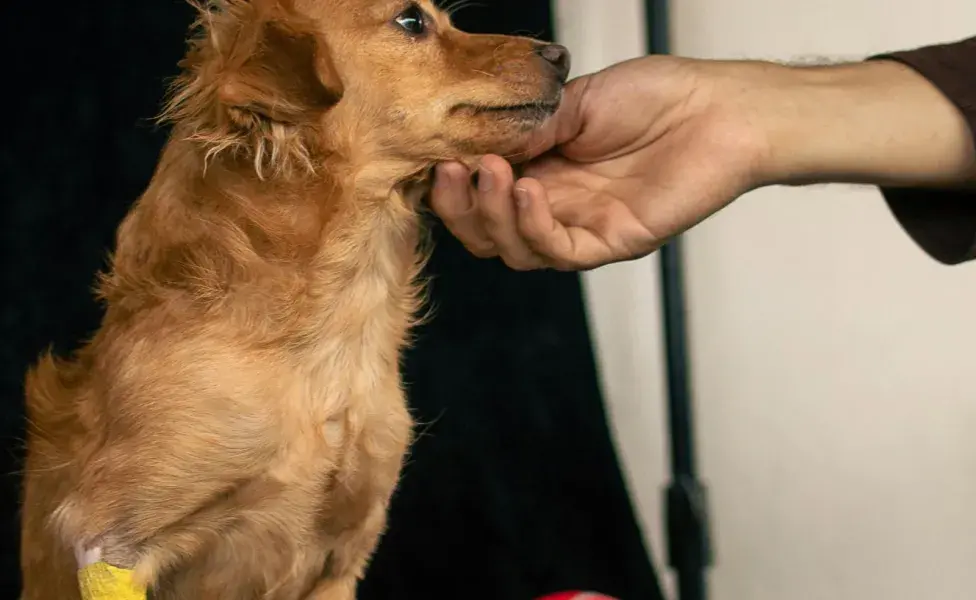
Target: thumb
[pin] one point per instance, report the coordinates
(564, 126)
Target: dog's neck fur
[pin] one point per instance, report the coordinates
(279, 255)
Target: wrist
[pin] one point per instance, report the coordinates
(877, 122)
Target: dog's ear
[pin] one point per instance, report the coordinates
(288, 77)
(256, 75)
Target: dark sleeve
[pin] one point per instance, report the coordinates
(942, 222)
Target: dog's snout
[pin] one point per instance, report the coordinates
(557, 56)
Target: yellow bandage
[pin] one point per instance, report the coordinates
(102, 581)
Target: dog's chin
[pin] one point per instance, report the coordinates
(500, 128)
(528, 112)
(524, 113)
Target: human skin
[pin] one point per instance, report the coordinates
(647, 148)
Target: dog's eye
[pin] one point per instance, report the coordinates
(413, 20)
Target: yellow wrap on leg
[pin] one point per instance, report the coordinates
(102, 581)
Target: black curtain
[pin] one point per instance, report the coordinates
(512, 490)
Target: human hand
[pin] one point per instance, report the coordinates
(635, 155)
(645, 149)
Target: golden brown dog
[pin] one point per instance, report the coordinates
(236, 427)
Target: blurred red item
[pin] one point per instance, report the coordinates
(576, 596)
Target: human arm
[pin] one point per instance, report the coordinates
(942, 222)
(645, 149)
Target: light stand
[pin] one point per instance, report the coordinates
(689, 540)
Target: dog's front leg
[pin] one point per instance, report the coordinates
(348, 562)
(359, 516)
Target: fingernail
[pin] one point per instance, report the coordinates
(522, 197)
(486, 179)
(442, 174)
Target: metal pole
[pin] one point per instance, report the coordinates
(689, 544)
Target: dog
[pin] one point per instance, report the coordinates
(237, 425)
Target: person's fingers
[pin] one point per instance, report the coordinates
(537, 226)
(564, 247)
(449, 197)
(452, 200)
(499, 216)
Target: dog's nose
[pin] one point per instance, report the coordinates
(557, 56)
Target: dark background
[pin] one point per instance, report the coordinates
(512, 490)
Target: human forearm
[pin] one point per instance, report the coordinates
(878, 122)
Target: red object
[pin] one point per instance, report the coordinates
(576, 596)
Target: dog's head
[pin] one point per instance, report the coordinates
(278, 80)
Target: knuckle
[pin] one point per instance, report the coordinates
(560, 264)
(539, 244)
(491, 210)
(516, 265)
(531, 231)
(524, 264)
(492, 220)
(452, 208)
(482, 250)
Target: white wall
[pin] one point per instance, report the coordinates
(835, 390)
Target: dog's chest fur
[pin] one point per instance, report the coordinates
(242, 400)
